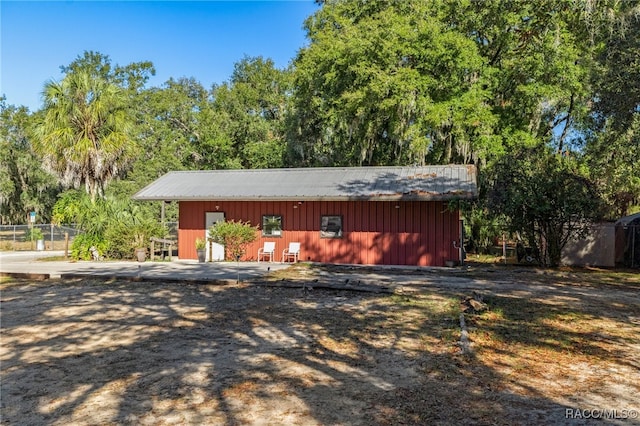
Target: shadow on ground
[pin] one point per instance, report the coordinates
(96, 352)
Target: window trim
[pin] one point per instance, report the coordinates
(324, 232)
(272, 235)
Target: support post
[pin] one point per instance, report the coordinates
(633, 246)
(66, 245)
(461, 251)
(504, 248)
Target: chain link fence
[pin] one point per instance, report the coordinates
(36, 237)
(49, 237)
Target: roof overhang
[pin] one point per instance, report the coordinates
(426, 183)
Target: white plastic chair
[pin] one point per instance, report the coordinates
(269, 249)
(293, 252)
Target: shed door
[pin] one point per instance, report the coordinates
(217, 250)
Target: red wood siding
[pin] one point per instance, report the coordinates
(374, 232)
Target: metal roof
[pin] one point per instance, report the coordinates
(420, 183)
(627, 220)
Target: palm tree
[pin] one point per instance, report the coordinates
(84, 131)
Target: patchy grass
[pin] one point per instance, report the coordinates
(164, 353)
(574, 276)
(300, 270)
(55, 259)
(564, 344)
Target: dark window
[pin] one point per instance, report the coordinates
(331, 227)
(271, 225)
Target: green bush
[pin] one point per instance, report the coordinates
(33, 234)
(201, 243)
(129, 234)
(82, 243)
(234, 236)
(115, 226)
(546, 198)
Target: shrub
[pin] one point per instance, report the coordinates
(234, 236)
(115, 226)
(34, 234)
(201, 243)
(130, 233)
(546, 198)
(83, 242)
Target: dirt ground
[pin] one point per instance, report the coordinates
(93, 352)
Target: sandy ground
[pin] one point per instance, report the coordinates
(93, 352)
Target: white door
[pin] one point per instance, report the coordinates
(217, 250)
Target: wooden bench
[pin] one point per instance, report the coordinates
(165, 242)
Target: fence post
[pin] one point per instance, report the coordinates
(66, 245)
(633, 246)
(14, 238)
(51, 233)
(504, 247)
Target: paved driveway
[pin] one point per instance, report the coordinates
(183, 270)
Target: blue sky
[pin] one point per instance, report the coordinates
(200, 39)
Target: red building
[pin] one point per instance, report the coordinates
(356, 215)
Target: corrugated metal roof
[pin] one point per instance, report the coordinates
(628, 219)
(332, 183)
